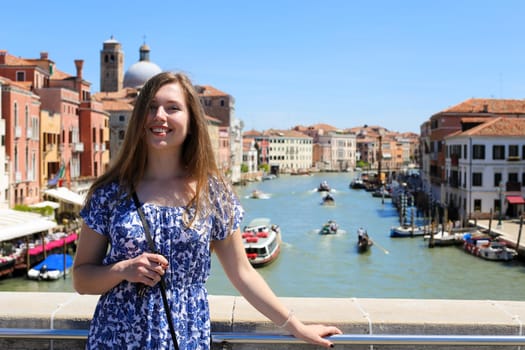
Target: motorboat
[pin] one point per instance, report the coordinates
(329, 228)
(323, 187)
(357, 183)
(257, 194)
(262, 241)
(53, 267)
(488, 248)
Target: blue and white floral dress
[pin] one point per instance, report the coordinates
(125, 320)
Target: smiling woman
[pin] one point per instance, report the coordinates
(150, 223)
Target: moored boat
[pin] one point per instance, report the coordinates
(53, 267)
(262, 241)
(363, 240)
(487, 248)
(407, 231)
(444, 238)
(7, 265)
(357, 183)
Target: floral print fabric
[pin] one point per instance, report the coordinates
(125, 320)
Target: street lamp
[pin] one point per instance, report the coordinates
(500, 191)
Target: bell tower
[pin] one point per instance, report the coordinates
(111, 66)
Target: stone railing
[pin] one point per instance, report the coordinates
(233, 315)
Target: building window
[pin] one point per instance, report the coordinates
(497, 205)
(122, 118)
(15, 108)
(497, 179)
(20, 76)
(498, 152)
(477, 204)
(513, 151)
(477, 179)
(478, 152)
(513, 177)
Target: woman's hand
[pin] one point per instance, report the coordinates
(147, 268)
(316, 333)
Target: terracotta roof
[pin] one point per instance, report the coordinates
(473, 119)
(117, 105)
(211, 91)
(251, 133)
(285, 133)
(59, 75)
(16, 61)
(502, 126)
(488, 105)
(326, 127)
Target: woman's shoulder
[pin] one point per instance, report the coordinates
(108, 192)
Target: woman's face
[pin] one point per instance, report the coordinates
(168, 119)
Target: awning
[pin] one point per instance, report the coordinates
(44, 204)
(515, 200)
(15, 224)
(65, 195)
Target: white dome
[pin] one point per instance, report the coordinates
(139, 73)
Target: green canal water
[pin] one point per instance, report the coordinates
(311, 265)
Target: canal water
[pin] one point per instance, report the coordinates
(313, 265)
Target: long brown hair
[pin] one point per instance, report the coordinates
(197, 153)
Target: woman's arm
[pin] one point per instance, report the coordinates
(90, 276)
(254, 288)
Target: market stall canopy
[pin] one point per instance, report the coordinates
(65, 195)
(15, 224)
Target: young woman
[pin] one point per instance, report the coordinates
(167, 162)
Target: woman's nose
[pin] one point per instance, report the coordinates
(160, 112)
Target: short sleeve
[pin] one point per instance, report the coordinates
(96, 212)
(228, 209)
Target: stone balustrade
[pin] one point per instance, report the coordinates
(359, 316)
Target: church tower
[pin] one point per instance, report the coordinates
(111, 66)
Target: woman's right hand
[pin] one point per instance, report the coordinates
(147, 268)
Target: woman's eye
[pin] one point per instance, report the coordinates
(174, 108)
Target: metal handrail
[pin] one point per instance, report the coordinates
(258, 338)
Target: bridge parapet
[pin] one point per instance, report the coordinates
(234, 315)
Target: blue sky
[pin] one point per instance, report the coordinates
(290, 62)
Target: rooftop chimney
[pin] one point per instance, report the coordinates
(79, 64)
(44, 55)
(3, 54)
